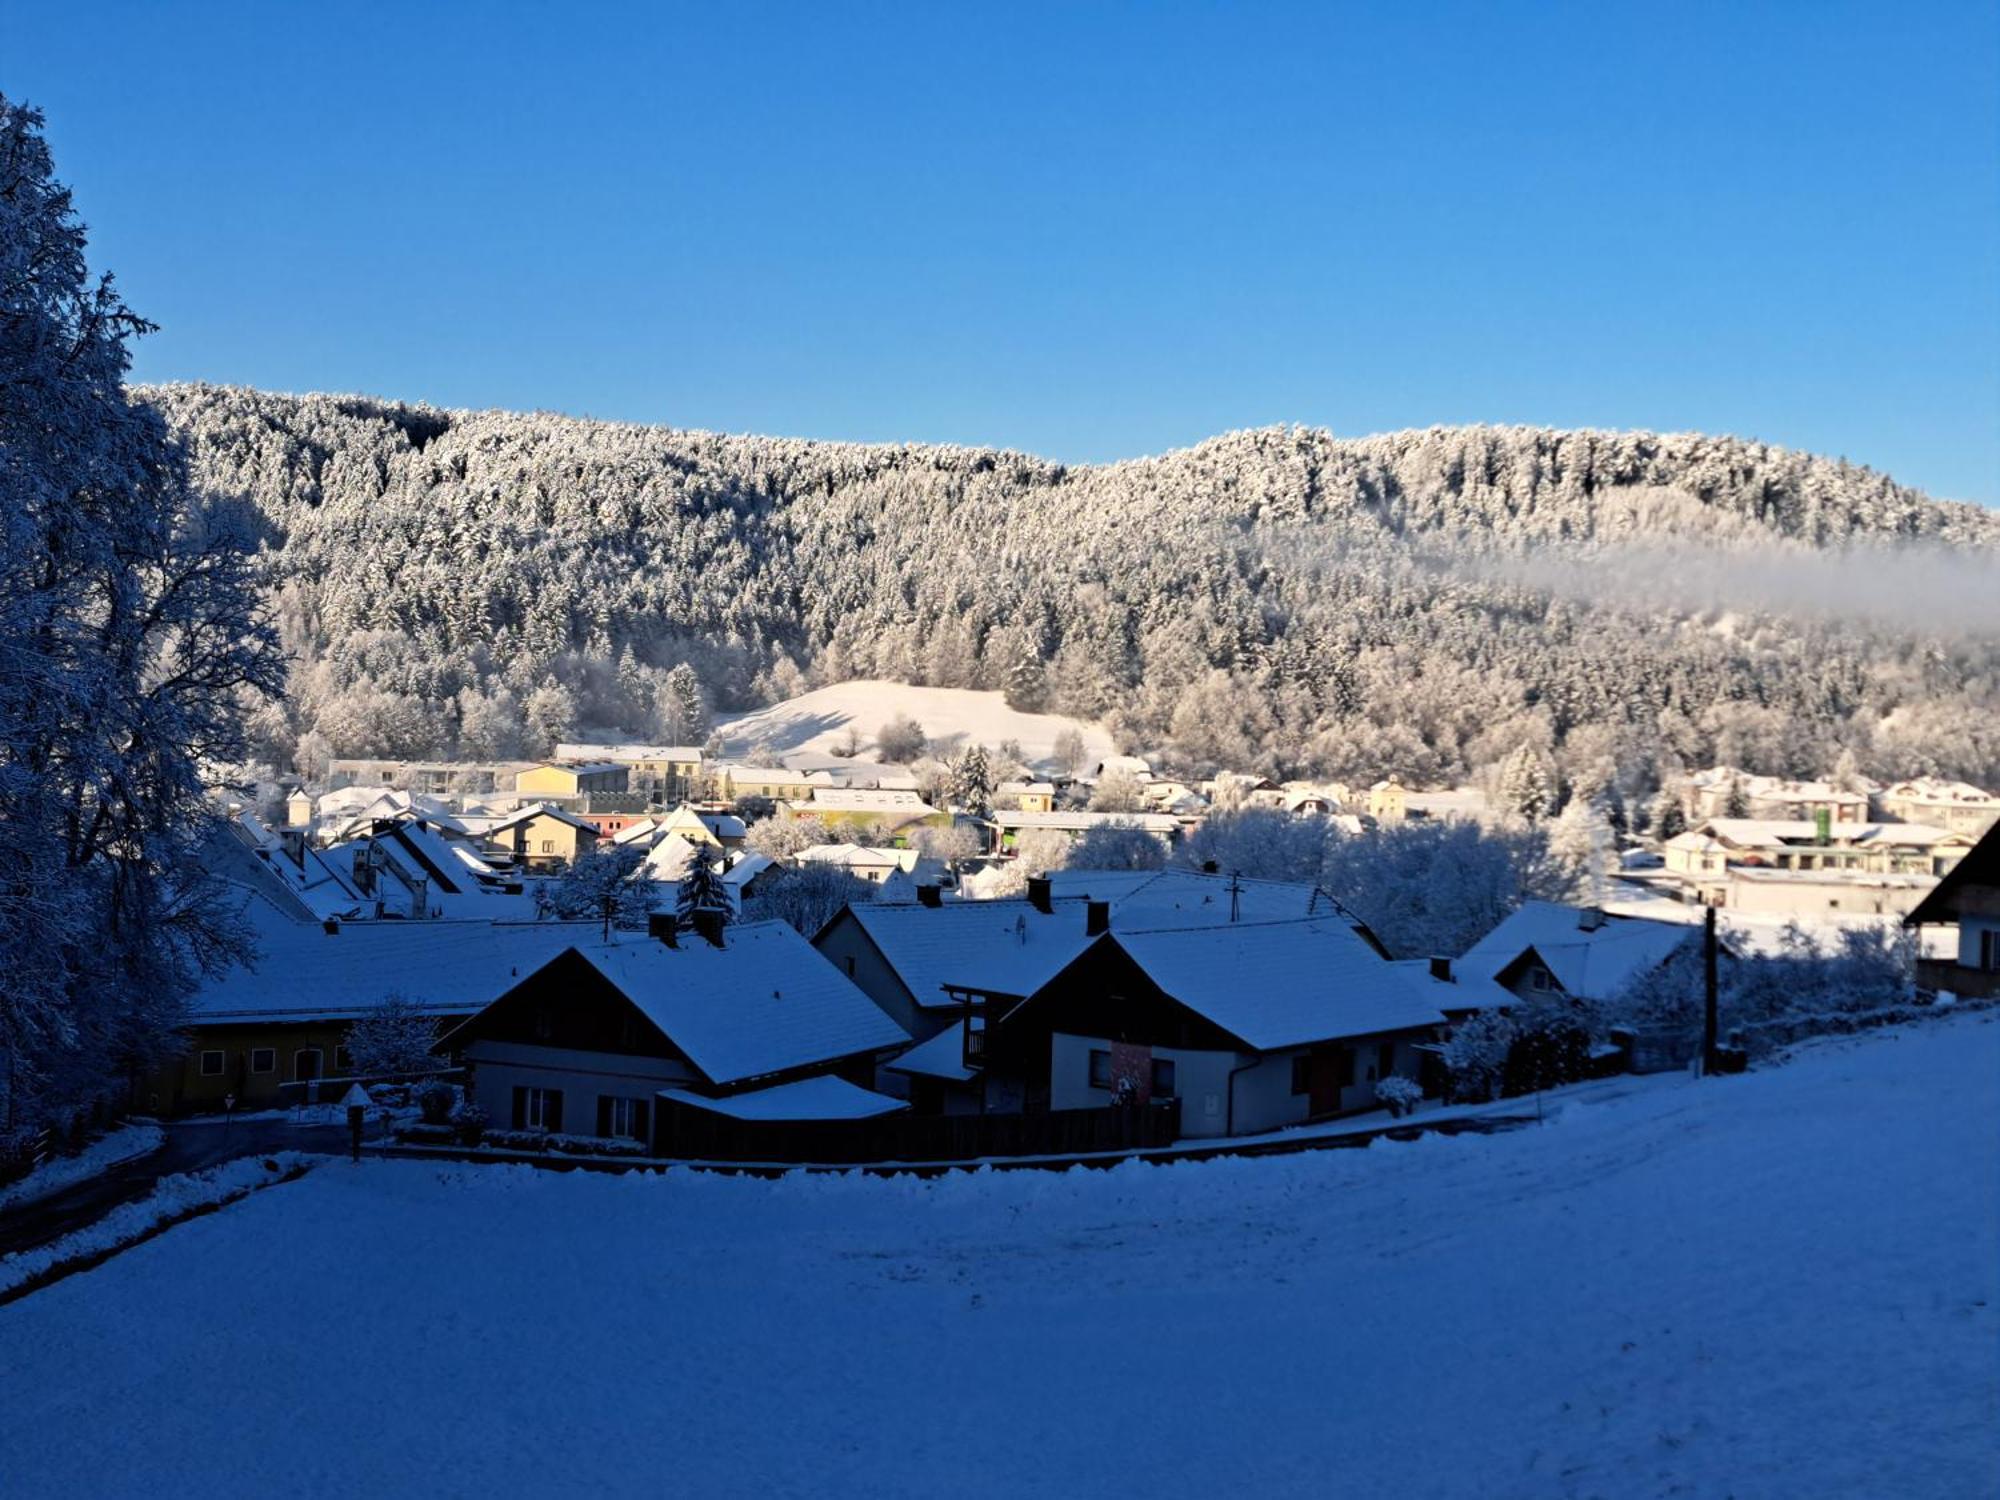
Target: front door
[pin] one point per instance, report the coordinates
(1330, 1070)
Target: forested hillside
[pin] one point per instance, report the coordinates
(1423, 602)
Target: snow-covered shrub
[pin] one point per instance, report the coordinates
(436, 1100)
(1475, 1057)
(396, 1036)
(469, 1121)
(1398, 1094)
(1551, 1047)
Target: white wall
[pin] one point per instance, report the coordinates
(499, 1067)
(1201, 1079)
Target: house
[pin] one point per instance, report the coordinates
(572, 783)
(435, 778)
(1387, 801)
(1253, 1026)
(1544, 950)
(1007, 827)
(284, 1018)
(873, 865)
(1465, 804)
(1968, 895)
(722, 829)
(299, 808)
(665, 771)
(921, 962)
(1951, 805)
(593, 1040)
(1712, 791)
(1128, 765)
(1026, 796)
(1784, 866)
(895, 812)
(1310, 804)
(543, 837)
(737, 783)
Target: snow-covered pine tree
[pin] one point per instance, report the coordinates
(1735, 798)
(970, 786)
(1524, 785)
(131, 641)
(687, 709)
(702, 903)
(1027, 689)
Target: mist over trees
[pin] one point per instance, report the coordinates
(1278, 600)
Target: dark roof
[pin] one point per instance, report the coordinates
(1980, 867)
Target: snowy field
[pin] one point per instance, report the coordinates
(819, 720)
(1785, 1284)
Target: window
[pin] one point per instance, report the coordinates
(263, 1059)
(1163, 1078)
(1302, 1074)
(538, 1109)
(621, 1119)
(305, 1064)
(1989, 950)
(548, 846)
(1385, 1059)
(1540, 979)
(545, 1023)
(849, 961)
(211, 1065)
(1100, 1068)
(343, 1060)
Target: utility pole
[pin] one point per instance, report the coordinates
(1709, 997)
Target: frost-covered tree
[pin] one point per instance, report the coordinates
(131, 644)
(1070, 753)
(610, 884)
(1735, 798)
(393, 1038)
(1580, 842)
(1437, 888)
(1117, 791)
(1523, 786)
(970, 786)
(954, 847)
(1117, 846)
(808, 897)
(683, 709)
(703, 898)
(1027, 688)
(1259, 842)
(783, 837)
(900, 741)
(551, 716)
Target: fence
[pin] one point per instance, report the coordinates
(682, 1131)
(308, 1091)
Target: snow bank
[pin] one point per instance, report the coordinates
(118, 1146)
(1785, 1283)
(172, 1197)
(819, 720)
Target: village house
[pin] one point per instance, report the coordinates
(1711, 792)
(435, 778)
(665, 772)
(895, 813)
(738, 783)
(873, 865)
(1546, 951)
(1809, 868)
(1386, 802)
(1968, 896)
(1005, 827)
(1253, 1026)
(284, 1018)
(540, 837)
(596, 1040)
(1026, 796)
(569, 784)
(1950, 805)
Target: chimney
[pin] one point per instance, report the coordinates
(332, 926)
(1590, 918)
(1040, 894)
(293, 842)
(929, 895)
(1096, 918)
(1210, 867)
(709, 925)
(663, 926)
(1441, 969)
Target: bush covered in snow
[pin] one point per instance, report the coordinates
(1399, 1095)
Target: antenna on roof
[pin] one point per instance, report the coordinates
(1235, 895)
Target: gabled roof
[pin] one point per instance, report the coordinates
(858, 799)
(999, 947)
(942, 1056)
(1589, 963)
(304, 973)
(1789, 833)
(540, 810)
(766, 1003)
(1979, 870)
(1281, 984)
(1461, 992)
(825, 1097)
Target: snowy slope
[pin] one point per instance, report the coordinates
(819, 720)
(1784, 1284)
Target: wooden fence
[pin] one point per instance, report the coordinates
(689, 1134)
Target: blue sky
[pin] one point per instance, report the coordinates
(1087, 231)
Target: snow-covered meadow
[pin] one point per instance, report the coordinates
(819, 721)
(1781, 1284)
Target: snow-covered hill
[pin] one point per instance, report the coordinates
(1781, 1284)
(820, 720)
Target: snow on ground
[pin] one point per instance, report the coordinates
(102, 1154)
(819, 720)
(1781, 1284)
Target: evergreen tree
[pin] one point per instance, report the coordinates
(703, 899)
(688, 710)
(970, 785)
(1027, 687)
(1524, 785)
(1735, 798)
(1669, 815)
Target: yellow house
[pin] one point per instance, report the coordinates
(669, 769)
(1386, 801)
(734, 783)
(572, 781)
(542, 837)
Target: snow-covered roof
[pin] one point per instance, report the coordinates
(1460, 992)
(899, 887)
(645, 831)
(304, 973)
(766, 1003)
(1282, 984)
(624, 754)
(1943, 793)
(747, 869)
(857, 856)
(1590, 963)
(857, 799)
(943, 1056)
(668, 859)
(1005, 947)
(1776, 833)
(826, 1097)
(723, 825)
(585, 767)
(540, 810)
(1082, 821)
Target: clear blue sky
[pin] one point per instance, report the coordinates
(1086, 231)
